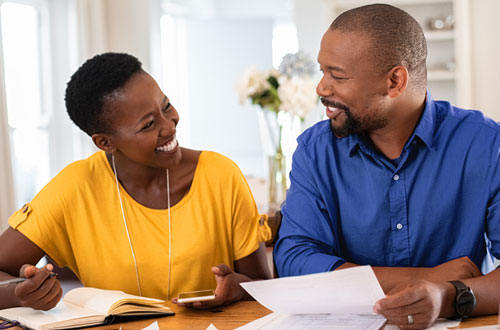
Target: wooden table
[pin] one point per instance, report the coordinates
(233, 316)
(224, 318)
(236, 315)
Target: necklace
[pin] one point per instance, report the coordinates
(128, 234)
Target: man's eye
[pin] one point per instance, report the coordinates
(166, 107)
(338, 78)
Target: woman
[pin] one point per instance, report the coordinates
(143, 215)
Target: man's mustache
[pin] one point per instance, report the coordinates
(332, 104)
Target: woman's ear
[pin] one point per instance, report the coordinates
(103, 142)
(397, 81)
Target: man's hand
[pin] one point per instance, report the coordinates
(228, 289)
(422, 300)
(40, 290)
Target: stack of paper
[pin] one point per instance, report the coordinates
(342, 299)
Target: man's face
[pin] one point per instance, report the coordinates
(352, 88)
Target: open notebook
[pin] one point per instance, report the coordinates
(82, 307)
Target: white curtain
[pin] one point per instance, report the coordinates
(92, 39)
(113, 25)
(6, 183)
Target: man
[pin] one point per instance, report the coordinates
(394, 179)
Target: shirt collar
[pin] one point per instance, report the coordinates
(426, 124)
(424, 129)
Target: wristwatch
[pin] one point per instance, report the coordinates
(465, 301)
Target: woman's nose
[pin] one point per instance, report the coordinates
(167, 125)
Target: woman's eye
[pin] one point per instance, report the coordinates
(148, 125)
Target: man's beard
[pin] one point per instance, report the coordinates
(352, 125)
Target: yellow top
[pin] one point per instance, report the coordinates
(77, 220)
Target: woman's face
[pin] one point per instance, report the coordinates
(143, 123)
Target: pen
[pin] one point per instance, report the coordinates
(20, 279)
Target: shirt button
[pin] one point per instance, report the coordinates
(395, 177)
(399, 226)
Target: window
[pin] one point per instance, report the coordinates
(174, 68)
(27, 115)
(285, 40)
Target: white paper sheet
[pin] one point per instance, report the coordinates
(152, 326)
(276, 321)
(441, 324)
(486, 327)
(348, 291)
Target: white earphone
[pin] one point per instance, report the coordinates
(128, 235)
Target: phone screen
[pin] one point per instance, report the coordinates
(192, 296)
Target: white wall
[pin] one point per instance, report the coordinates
(312, 22)
(128, 25)
(219, 51)
(485, 42)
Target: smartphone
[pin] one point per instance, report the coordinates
(194, 296)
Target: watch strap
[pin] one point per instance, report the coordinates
(458, 303)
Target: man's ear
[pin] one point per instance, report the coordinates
(397, 81)
(103, 142)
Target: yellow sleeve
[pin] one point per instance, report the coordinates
(42, 222)
(265, 233)
(249, 227)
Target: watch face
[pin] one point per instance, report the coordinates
(465, 303)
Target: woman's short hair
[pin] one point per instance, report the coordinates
(89, 86)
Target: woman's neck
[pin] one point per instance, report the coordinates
(148, 186)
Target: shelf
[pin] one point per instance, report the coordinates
(448, 49)
(439, 35)
(440, 75)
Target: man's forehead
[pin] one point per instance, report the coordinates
(337, 42)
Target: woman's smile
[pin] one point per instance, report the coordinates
(169, 146)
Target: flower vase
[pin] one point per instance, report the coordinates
(277, 179)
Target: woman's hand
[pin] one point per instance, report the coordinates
(228, 289)
(40, 290)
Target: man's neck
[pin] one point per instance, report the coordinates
(391, 139)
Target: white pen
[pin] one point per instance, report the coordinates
(19, 279)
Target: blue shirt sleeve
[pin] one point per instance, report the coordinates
(493, 214)
(306, 241)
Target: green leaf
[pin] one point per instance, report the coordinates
(273, 82)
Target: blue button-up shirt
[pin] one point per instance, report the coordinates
(348, 202)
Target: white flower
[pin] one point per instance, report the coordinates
(297, 94)
(298, 64)
(253, 82)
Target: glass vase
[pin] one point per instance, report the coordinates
(277, 179)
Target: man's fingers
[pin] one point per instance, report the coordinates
(420, 307)
(405, 297)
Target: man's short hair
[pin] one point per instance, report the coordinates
(397, 38)
(88, 87)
